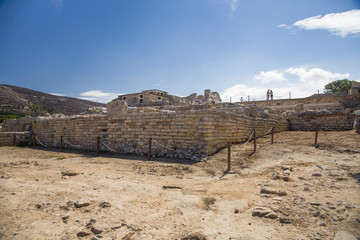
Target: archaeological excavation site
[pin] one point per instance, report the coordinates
(152, 165)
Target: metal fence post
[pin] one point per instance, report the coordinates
(149, 149)
(229, 157)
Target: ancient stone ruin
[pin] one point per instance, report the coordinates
(193, 127)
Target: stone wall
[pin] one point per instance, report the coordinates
(326, 120)
(13, 138)
(331, 102)
(191, 132)
(6, 139)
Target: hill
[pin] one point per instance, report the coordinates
(17, 101)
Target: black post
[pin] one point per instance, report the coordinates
(149, 149)
(272, 135)
(97, 146)
(254, 139)
(61, 140)
(229, 157)
(34, 141)
(316, 136)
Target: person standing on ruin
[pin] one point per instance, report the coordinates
(267, 94)
(271, 93)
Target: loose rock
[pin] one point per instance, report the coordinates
(268, 190)
(195, 236)
(285, 220)
(81, 203)
(82, 234)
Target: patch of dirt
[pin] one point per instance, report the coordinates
(287, 190)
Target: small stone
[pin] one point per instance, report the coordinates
(285, 220)
(271, 215)
(195, 236)
(287, 172)
(65, 218)
(260, 211)
(315, 204)
(316, 174)
(81, 203)
(286, 167)
(68, 173)
(282, 193)
(82, 234)
(286, 178)
(268, 190)
(277, 199)
(275, 176)
(105, 205)
(96, 231)
(236, 210)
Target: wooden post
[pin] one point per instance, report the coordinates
(316, 136)
(61, 140)
(149, 149)
(34, 141)
(272, 135)
(14, 140)
(229, 157)
(97, 146)
(254, 139)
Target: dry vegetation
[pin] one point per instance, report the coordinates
(294, 191)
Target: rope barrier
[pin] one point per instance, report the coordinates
(76, 146)
(26, 140)
(53, 145)
(110, 148)
(252, 133)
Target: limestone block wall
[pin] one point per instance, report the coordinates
(80, 131)
(326, 121)
(13, 138)
(188, 132)
(6, 139)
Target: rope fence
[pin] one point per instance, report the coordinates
(100, 142)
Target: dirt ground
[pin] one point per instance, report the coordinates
(288, 190)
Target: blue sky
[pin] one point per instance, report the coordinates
(96, 49)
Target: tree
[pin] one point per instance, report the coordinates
(338, 85)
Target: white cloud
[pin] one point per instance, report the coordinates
(271, 76)
(340, 24)
(301, 82)
(315, 77)
(284, 26)
(233, 5)
(99, 96)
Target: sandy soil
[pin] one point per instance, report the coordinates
(45, 194)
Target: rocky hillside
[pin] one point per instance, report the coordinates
(22, 102)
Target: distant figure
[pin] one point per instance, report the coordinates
(241, 99)
(271, 93)
(267, 94)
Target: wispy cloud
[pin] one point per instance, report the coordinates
(58, 4)
(233, 5)
(301, 82)
(99, 96)
(271, 76)
(339, 24)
